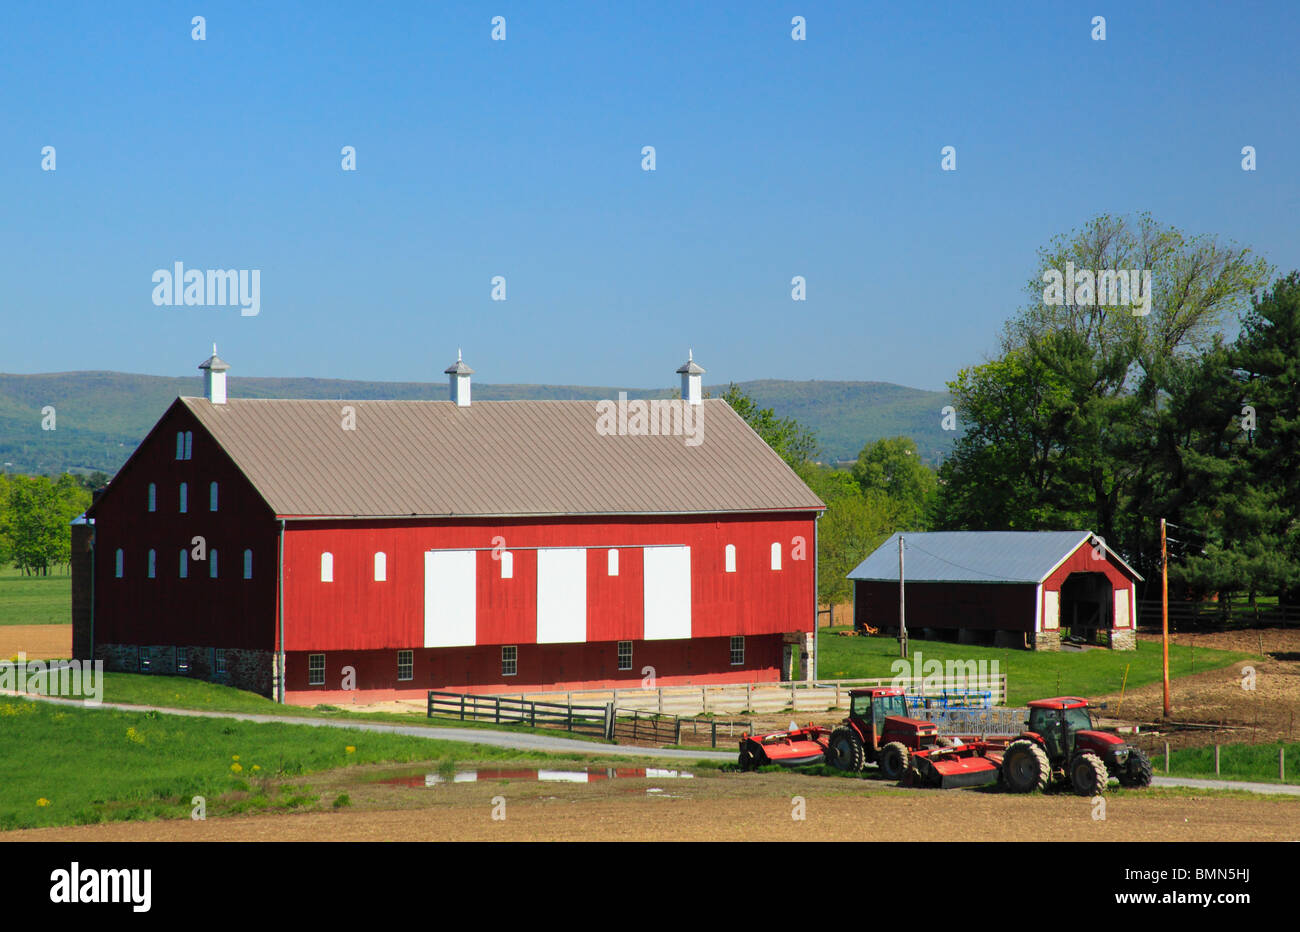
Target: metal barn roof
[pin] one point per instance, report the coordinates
(494, 458)
(976, 556)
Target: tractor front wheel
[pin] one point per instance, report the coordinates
(1025, 767)
(894, 760)
(845, 751)
(1088, 774)
(1138, 771)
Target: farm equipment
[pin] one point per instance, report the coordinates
(795, 747)
(1061, 744)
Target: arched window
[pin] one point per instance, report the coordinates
(731, 558)
(153, 564)
(612, 567)
(248, 564)
(153, 497)
(381, 567)
(185, 497)
(327, 567)
(776, 555)
(180, 444)
(189, 444)
(117, 563)
(185, 563)
(507, 565)
(212, 496)
(212, 564)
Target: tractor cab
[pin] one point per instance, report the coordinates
(879, 715)
(1064, 725)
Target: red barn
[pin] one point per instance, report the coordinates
(378, 549)
(1012, 588)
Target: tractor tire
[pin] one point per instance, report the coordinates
(1138, 771)
(894, 761)
(1088, 774)
(1025, 767)
(845, 750)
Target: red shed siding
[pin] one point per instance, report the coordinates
(228, 611)
(979, 606)
(541, 667)
(356, 613)
(1082, 561)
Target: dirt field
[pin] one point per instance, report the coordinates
(39, 642)
(711, 807)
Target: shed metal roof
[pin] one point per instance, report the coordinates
(491, 459)
(976, 556)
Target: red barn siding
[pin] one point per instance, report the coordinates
(229, 611)
(541, 667)
(356, 613)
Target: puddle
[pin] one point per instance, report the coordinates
(587, 775)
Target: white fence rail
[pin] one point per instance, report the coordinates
(749, 698)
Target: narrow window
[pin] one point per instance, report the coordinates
(315, 669)
(613, 562)
(146, 659)
(405, 664)
(327, 567)
(212, 563)
(625, 655)
(185, 497)
(737, 651)
(381, 567)
(212, 497)
(153, 564)
(182, 660)
(219, 660)
(189, 444)
(180, 445)
(153, 497)
(731, 558)
(507, 565)
(509, 661)
(248, 564)
(117, 563)
(185, 563)
(776, 555)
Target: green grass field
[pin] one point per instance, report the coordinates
(34, 600)
(1030, 674)
(63, 765)
(1256, 762)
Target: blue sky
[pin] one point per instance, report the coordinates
(522, 158)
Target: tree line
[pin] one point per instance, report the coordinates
(35, 512)
(1105, 416)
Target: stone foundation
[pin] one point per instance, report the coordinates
(245, 668)
(1123, 639)
(1047, 640)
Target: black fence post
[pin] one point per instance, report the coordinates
(609, 721)
(677, 730)
(532, 714)
(714, 736)
(462, 707)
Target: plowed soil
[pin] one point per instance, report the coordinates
(39, 642)
(711, 807)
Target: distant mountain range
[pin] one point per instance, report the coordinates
(100, 417)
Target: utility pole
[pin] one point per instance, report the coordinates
(902, 617)
(1164, 607)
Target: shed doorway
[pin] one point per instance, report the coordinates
(1087, 601)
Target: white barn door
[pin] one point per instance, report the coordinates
(667, 593)
(561, 595)
(450, 602)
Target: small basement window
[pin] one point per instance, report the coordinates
(315, 669)
(405, 664)
(219, 660)
(625, 655)
(738, 651)
(182, 660)
(509, 660)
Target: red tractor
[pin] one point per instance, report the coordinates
(879, 731)
(1061, 744)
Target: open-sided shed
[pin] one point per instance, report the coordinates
(1011, 588)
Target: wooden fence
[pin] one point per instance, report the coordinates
(1192, 616)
